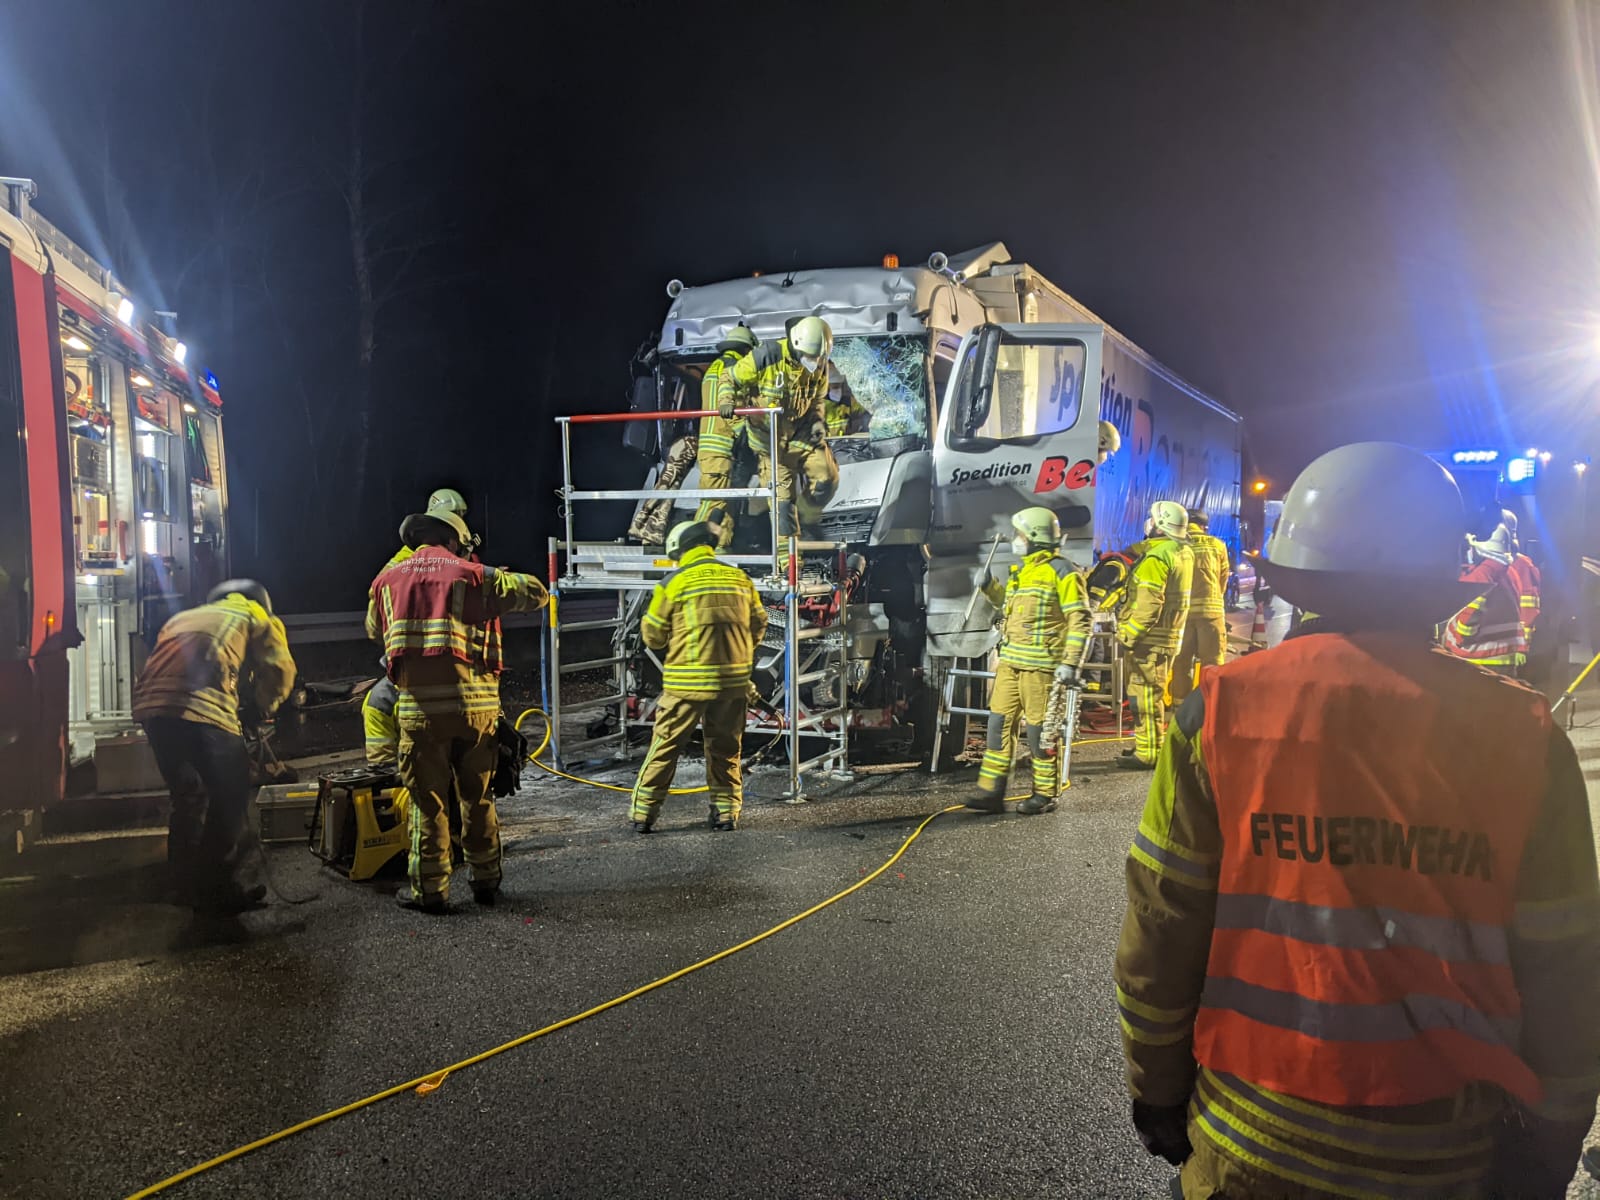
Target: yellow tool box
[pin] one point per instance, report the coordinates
(360, 820)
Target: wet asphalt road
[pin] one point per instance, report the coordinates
(946, 1031)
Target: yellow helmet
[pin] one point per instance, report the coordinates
(811, 341)
(447, 500)
(1039, 526)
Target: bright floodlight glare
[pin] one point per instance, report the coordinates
(180, 352)
(125, 311)
(1580, 467)
(1519, 469)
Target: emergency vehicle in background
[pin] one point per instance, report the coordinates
(980, 386)
(115, 498)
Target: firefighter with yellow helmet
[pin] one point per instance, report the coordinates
(1045, 620)
(719, 435)
(1205, 633)
(705, 619)
(790, 374)
(1151, 627)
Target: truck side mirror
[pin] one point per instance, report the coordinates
(644, 436)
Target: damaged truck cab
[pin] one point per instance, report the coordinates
(974, 388)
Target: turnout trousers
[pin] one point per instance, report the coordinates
(207, 773)
(716, 471)
(721, 717)
(1205, 644)
(445, 758)
(1149, 672)
(1018, 696)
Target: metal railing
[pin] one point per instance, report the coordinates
(570, 495)
(814, 654)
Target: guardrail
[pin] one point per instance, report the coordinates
(306, 629)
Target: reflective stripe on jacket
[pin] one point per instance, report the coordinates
(708, 617)
(205, 657)
(1046, 613)
(1158, 597)
(1352, 920)
(1488, 631)
(435, 605)
(770, 377)
(1212, 567)
(717, 437)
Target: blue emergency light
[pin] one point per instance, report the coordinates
(1463, 457)
(1521, 470)
(211, 382)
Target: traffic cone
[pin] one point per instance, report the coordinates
(1258, 628)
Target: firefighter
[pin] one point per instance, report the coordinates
(206, 661)
(441, 500)
(437, 617)
(1361, 953)
(1488, 629)
(1205, 632)
(707, 618)
(1044, 625)
(790, 374)
(378, 720)
(1151, 627)
(719, 436)
(816, 474)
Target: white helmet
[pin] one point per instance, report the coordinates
(1371, 529)
(1110, 440)
(811, 341)
(1499, 545)
(1170, 519)
(686, 535)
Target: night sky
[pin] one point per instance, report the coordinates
(1345, 220)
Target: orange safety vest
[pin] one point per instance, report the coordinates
(1489, 630)
(431, 604)
(1371, 843)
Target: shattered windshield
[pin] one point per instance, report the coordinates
(885, 380)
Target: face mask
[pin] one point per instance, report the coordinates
(1019, 546)
(810, 363)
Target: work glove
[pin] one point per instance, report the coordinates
(1163, 1130)
(725, 407)
(1067, 675)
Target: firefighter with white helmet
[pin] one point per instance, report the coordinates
(1045, 621)
(1151, 627)
(1361, 953)
(790, 374)
(720, 436)
(705, 619)
(1110, 441)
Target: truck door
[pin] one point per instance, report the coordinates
(1019, 426)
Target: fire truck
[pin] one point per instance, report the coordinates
(115, 496)
(977, 387)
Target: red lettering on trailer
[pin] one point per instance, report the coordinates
(1054, 472)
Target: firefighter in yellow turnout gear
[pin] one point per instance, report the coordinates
(707, 617)
(1205, 633)
(1046, 620)
(1151, 627)
(791, 374)
(437, 615)
(719, 436)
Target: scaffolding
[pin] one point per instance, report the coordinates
(1102, 655)
(809, 606)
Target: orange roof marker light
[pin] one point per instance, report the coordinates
(891, 262)
(1259, 486)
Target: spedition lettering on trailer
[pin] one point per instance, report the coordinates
(1371, 841)
(997, 471)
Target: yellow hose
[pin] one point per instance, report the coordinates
(435, 1079)
(424, 1084)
